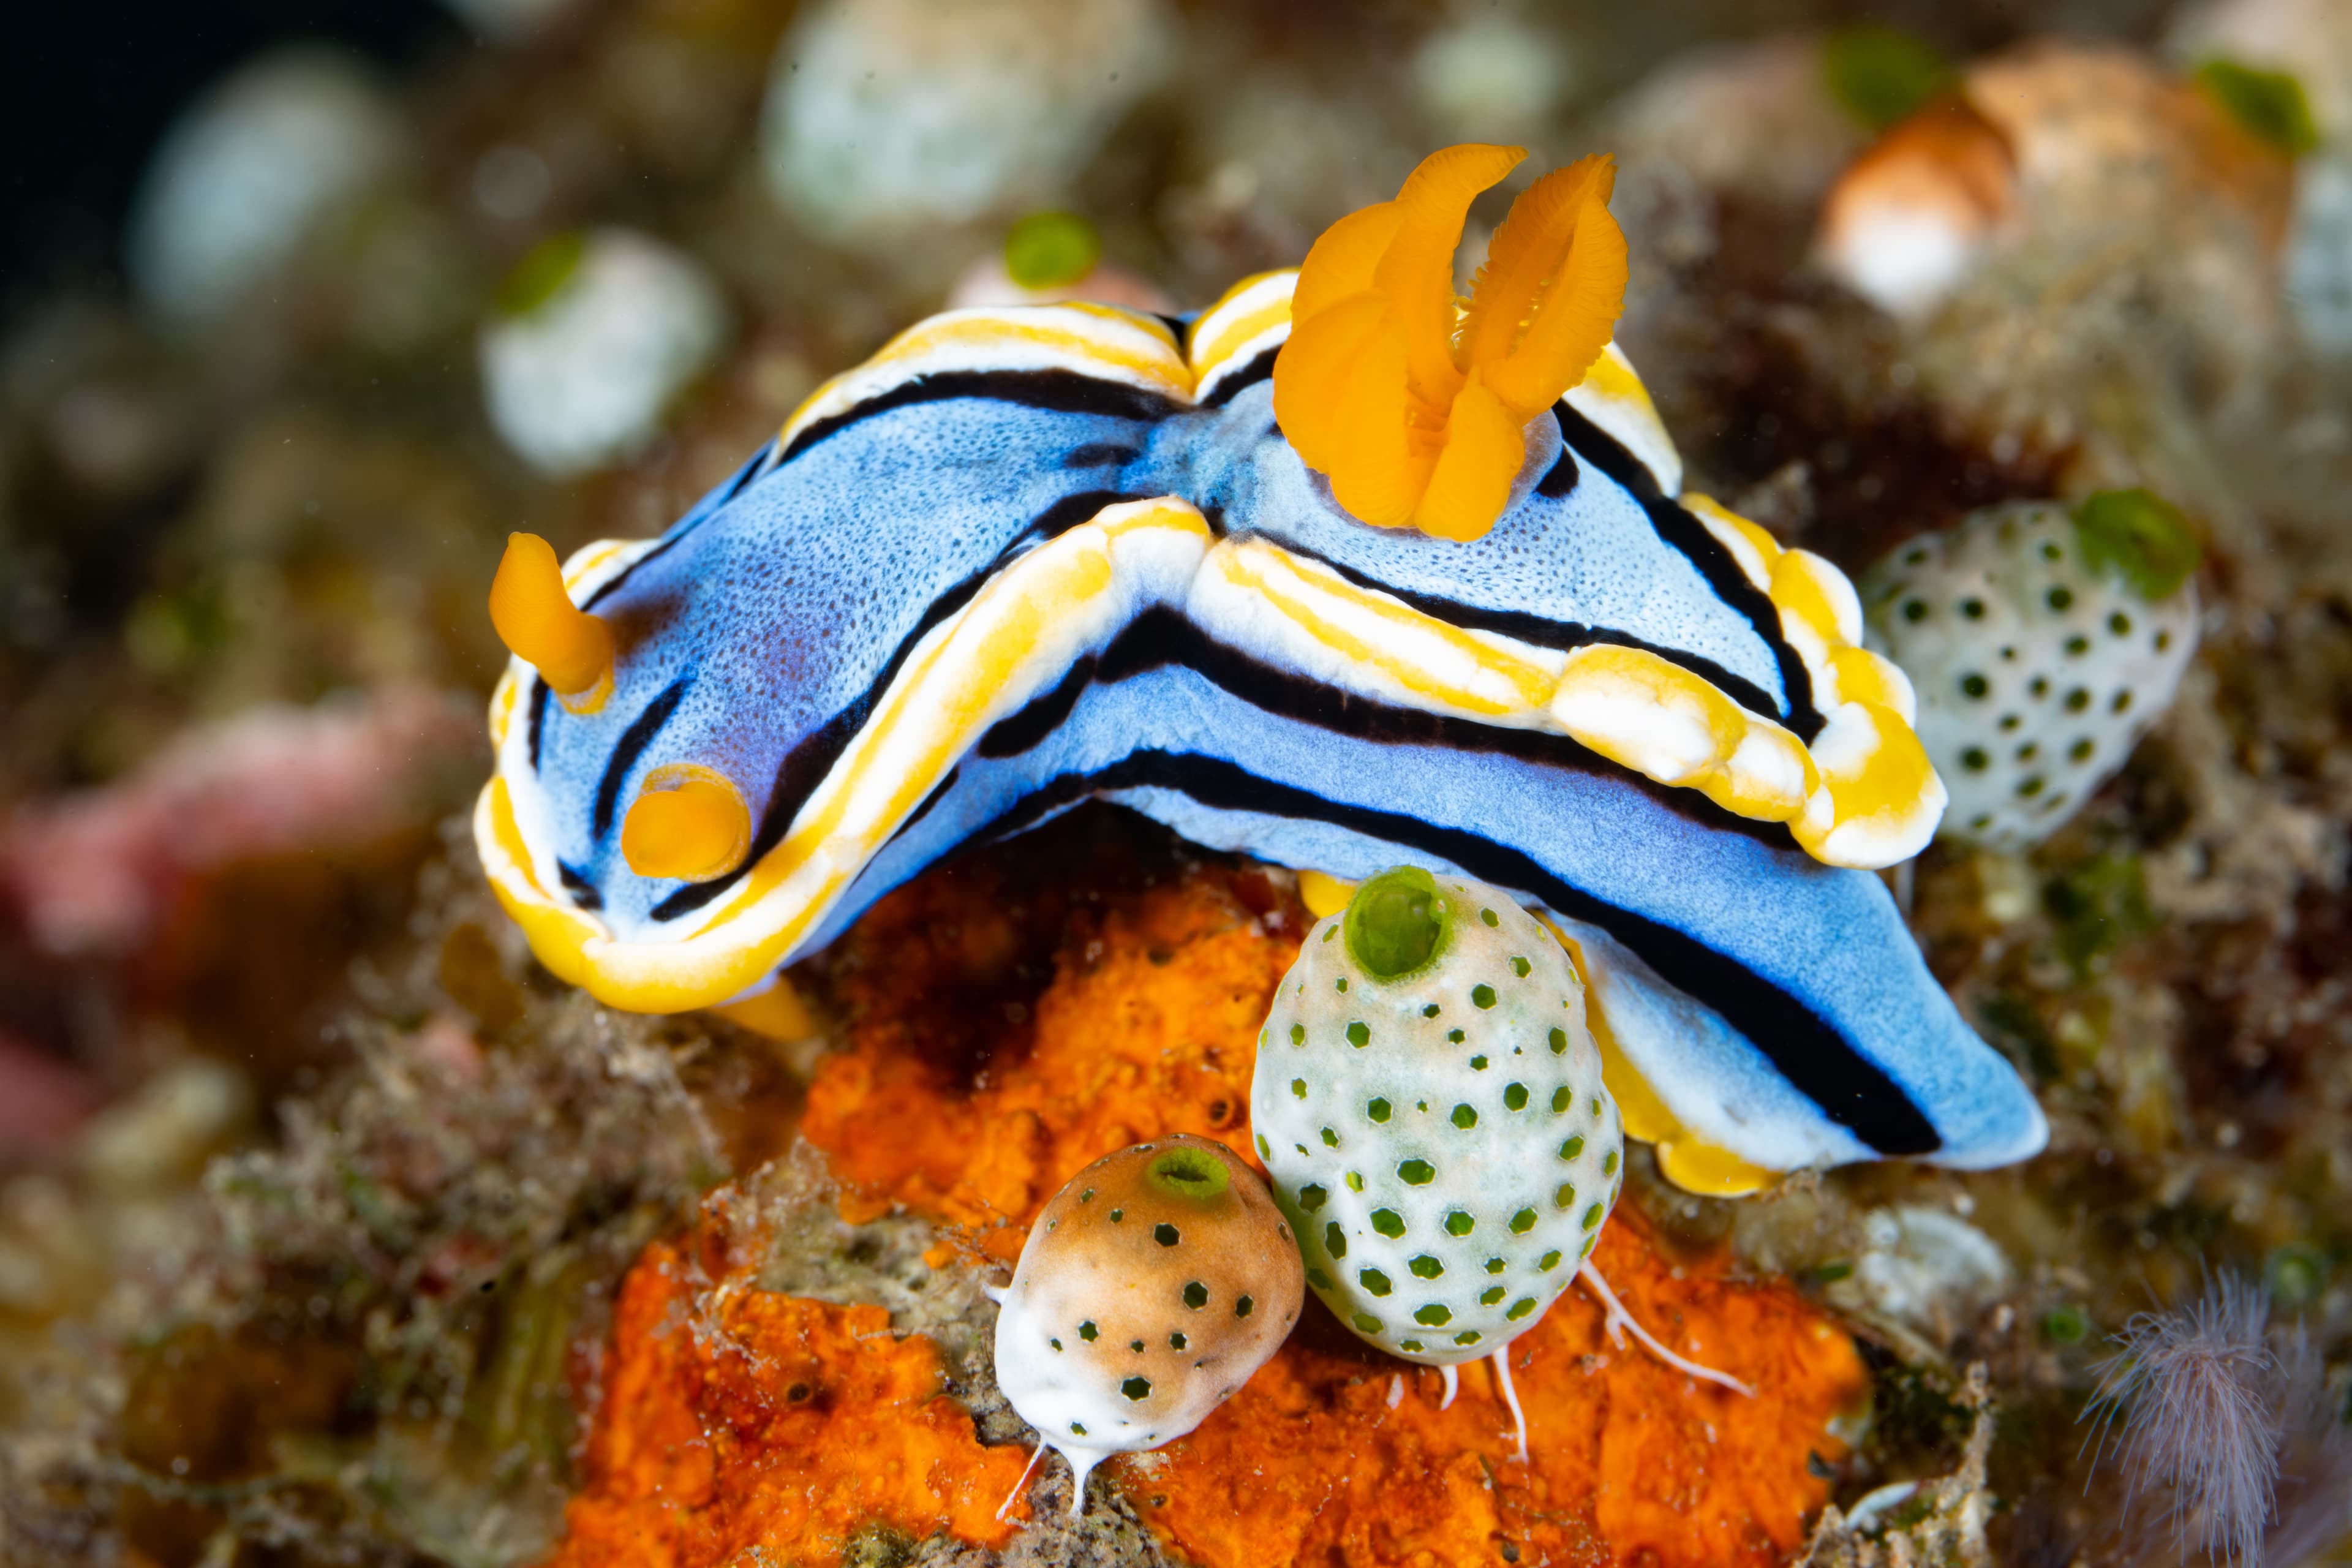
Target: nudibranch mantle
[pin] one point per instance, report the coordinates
(1027, 557)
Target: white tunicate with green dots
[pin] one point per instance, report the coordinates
(1441, 1142)
(2036, 672)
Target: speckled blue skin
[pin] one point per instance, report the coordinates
(775, 612)
(1592, 557)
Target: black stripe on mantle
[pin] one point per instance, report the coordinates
(805, 767)
(1814, 1058)
(1056, 391)
(1684, 534)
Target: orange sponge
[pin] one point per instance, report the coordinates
(974, 1116)
(773, 1430)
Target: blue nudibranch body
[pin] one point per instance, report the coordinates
(1028, 557)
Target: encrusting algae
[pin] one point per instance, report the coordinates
(969, 1115)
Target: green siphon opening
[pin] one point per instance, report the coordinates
(542, 273)
(1193, 1174)
(2144, 537)
(2066, 1325)
(1879, 75)
(2297, 1276)
(2268, 105)
(1046, 250)
(1398, 923)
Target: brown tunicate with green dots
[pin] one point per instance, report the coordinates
(1151, 1285)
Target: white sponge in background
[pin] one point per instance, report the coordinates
(596, 333)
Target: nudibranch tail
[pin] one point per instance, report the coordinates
(1413, 404)
(540, 624)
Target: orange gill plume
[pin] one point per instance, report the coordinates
(537, 620)
(1414, 404)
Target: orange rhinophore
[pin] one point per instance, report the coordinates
(1413, 402)
(536, 619)
(688, 822)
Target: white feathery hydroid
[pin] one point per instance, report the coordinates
(2197, 1393)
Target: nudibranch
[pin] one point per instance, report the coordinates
(1151, 1288)
(1431, 1108)
(1028, 557)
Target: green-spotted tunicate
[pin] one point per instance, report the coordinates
(2043, 644)
(1151, 1288)
(1429, 1102)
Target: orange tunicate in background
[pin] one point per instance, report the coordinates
(971, 1111)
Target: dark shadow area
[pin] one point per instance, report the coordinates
(85, 91)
